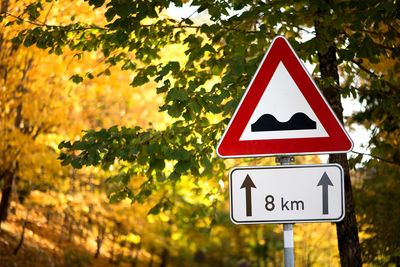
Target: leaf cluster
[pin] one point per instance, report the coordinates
(159, 155)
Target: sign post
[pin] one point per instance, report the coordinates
(288, 239)
(282, 113)
(288, 244)
(286, 194)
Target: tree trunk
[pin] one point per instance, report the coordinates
(70, 230)
(347, 230)
(21, 240)
(120, 255)
(48, 215)
(6, 195)
(99, 241)
(7, 175)
(3, 10)
(164, 257)
(152, 250)
(111, 259)
(4, 6)
(135, 259)
(64, 227)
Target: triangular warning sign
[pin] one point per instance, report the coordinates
(283, 112)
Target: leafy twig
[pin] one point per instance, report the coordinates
(371, 73)
(377, 157)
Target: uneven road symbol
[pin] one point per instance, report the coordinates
(298, 121)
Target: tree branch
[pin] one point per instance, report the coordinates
(371, 73)
(377, 157)
(96, 27)
(393, 28)
(43, 24)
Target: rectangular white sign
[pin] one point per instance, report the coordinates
(286, 194)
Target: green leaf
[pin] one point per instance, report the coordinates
(346, 54)
(155, 210)
(153, 148)
(110, 13)
(174, 176)
(194, 105)
(188, 21)
(177, 94)
(64, 144)
(123, 10)
(139, 80)
(76, 78)
(353, 161)
(175, 110)
(157, 164)
(89, 75)
(79, 145)
(182, 166)
(58, 51)
(96, 3)
(29, 40)
(115, 198)
(33, 10)
(181, 155)
(76, 163)
(107, 72)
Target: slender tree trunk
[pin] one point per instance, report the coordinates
(3, 10)
(4, 6)
(99, 241)
(10, 173)
(48, 215)
(152, 250)
(70, 230)
(111, 259)
(120, 255)
(64, 227)
(6, 192)
(21, 240)
(164, 257)
(347, 230)
(135, 259)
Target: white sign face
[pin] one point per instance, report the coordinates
(287, 194)
(281, 100)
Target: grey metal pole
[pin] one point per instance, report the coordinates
(288, 243)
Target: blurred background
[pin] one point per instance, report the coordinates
(111, 111)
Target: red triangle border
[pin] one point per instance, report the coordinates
(338, 140)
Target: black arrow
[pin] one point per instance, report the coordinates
(325, 182)
(248, 184)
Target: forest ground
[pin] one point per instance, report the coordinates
(45, 245)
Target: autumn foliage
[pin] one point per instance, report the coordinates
(111, 111)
